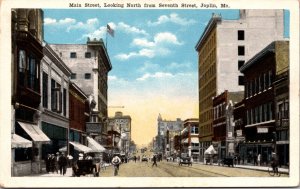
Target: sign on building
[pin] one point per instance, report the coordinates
(262, 130)
(93, 127)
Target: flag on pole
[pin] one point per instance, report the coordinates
(110, 30)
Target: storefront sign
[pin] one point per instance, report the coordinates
(92, 127)
(229, 135)
(262, 130)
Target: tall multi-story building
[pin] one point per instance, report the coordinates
(222, 49)
(261, 130)
(120, 126)
(166, 130)
(90, 65)
(27, 52)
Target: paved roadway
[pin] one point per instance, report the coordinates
(170, 169)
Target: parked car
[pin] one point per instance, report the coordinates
(144, 158)
(186, 161)
(227, 161)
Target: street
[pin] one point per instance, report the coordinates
(172, 169)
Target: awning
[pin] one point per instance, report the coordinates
(20, 142)
(34, 132)
(183, 131)
(77, 146)
(193, 140)
(210, 150)
(94, 145)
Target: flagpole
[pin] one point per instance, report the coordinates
(106, 40)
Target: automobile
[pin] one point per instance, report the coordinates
(185, 161)
(227, 161)
(144, 158)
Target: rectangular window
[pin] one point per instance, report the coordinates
(88, 55)
(270, 110)
(53, 96)
(73, 76)
(240, 63)
(87, 76)
(265, 82)
(266, 112)
(270, 80)
(241, 50)
(64, 102)
(56, 97)
(73, 55)
(241, 35)
(241, 80)
(45, 90)
(260, 113)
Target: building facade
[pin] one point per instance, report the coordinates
(27, 52)
(120, 126)
(223, 48)
(260, 73)
(78, 116)
(55, 101)
(164, 128)
(223, 122)
(190, 138)
(90, 65)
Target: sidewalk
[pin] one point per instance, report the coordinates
(247, 166)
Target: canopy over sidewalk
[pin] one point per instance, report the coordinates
(94, 145)
(210, 150)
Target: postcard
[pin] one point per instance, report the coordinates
(141, 93)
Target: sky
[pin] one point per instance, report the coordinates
(153, 57)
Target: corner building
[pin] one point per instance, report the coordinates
(223, 48)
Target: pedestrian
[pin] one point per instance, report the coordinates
(134, 159)
(192, 161)
(255, 159)
(154, 161)
(54, 163)
(259, 159)
(239, 159)
(62, 162)
(48, 161)
(116, 161)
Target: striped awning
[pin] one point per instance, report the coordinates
(35, 133)
(77, 146)
(94, 145)
(20, 142)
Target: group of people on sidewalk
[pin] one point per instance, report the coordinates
(56, 162)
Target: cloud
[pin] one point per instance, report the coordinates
(172, 18)
(61, 22)
(166, 38)
(89, 25)
(157, 47)
(130, 29)
(155, 75)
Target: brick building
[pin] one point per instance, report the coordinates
(260, 73)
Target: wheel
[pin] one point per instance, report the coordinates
(271, 171)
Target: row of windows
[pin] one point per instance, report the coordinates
(205, 116)
(205, 129)
(86, 55)
(208, 74)
(194, 130)
(283, 110)
(259, 84)
(209, 45)
(219, 111)
(86, 76)
(28, 67)
(58, 96)
(260, 113)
